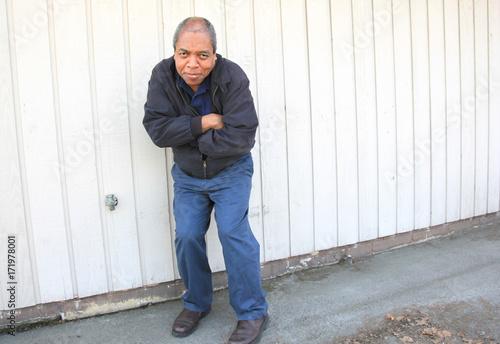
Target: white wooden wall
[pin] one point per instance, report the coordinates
(376, 117)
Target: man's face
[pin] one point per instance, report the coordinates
(194, 57)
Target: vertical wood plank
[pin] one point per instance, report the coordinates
(366, 105)
(12, 220)
(322, 124)
(114, 145)
(482, 113)
(79, 166)
(149, 162)
(494, 106)
(404, 118)
(453, 111)
(298, 121)
(271, 109)
(468, 107)
(386, 116)
(421, 106)
(438, 111)
(214, 12)
(173, 13)
(346, 123)
(241, 49)
(41, 151)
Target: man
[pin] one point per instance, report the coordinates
(200, 104)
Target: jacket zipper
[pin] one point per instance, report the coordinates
(204, 160)
(185, 101)
(213, 99)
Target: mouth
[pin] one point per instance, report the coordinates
(192, 76)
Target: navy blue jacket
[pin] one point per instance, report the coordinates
(168, 117)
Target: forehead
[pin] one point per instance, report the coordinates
(194, 41)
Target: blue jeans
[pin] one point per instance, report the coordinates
(228, 194)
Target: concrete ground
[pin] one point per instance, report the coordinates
(446, 290)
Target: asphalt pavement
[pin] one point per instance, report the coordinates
(445, 290)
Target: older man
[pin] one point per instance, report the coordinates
(200, 104)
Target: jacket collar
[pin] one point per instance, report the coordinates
(220, 76)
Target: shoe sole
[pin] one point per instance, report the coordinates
(182, 335)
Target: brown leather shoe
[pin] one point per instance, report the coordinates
(187, 322)
(248, 331)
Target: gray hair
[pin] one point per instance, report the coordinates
(185, 26)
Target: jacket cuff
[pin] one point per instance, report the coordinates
(196, 130)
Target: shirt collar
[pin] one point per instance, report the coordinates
(205, 85)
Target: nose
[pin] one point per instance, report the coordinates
(192, 62)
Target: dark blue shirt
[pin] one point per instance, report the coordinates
(201, 99)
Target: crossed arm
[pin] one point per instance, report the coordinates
(211, 121)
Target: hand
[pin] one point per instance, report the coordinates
(211, 121)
